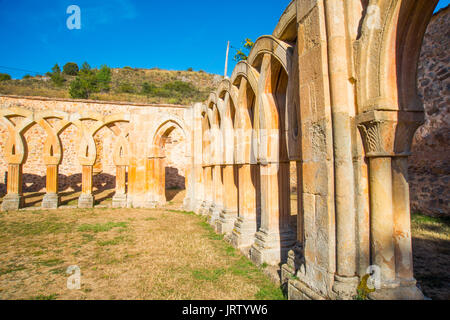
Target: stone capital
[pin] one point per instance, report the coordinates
(388, 133)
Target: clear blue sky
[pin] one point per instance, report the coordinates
(169, 34)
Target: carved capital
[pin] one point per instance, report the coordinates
(388, 133)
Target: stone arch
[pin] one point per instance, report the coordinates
(286, 28)
(388, 114)
(167, 123)
(227, 97)
(280, 50)
(387, 54)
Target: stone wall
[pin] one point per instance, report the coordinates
(429, 165)
(34, 178)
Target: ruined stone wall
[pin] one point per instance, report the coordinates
(429, 165)
(34, 178)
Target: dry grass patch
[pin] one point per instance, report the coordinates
(122, 254)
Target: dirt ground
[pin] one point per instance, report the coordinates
(123, 254)
(158, 254)
(431, 252)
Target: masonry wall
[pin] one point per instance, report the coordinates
(429, 165)
(70, 170)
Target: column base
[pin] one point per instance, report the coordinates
(225, 223)
(204, 208)
(214, 214)
(345, 288)
(298, 290)
(399, 290)
(12, 202)
(295, 260)
(150, 204)
(119, 200)
(243, 235)
(50, 201)
(86, 201)
(272, 248)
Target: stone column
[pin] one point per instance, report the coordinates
(51, 198)
(217, 206)
(229, 213)
(151, 176)
(275, 237)
(209, 195)
(14, 197)
(162, 182)
(86, 199)
(387, 138)
(245, 227)
(131, 183)
(120, 197)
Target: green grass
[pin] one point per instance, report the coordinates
(102, 227)
(11, 268)
(432, 224)
(114, 242)
(208, 275)
(43, 297)
(36, 228)
(50, 262)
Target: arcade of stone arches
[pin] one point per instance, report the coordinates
(333, 89)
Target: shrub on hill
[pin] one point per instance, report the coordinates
(71, 69)
(4, 77)
(57, 77)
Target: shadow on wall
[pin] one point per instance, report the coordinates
(35, 183)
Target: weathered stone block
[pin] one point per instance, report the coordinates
(50, 201)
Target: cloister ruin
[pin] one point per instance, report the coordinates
(332, 92)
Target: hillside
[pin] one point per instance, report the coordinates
(127, 84)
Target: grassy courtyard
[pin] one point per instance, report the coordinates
(123, 254)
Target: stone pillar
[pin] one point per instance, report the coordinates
(402, 220)
(229, 213)
(151, 176)
(51, 198)
(209, 196)
(161, 182)
(275, 237)
(14, 197)
(387, 138)
(86, 199)
(217, 205)
(120, 197)
(245, 227)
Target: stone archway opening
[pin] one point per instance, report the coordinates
(174, 144)
(429, 165)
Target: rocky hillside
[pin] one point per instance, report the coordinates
(127, 84)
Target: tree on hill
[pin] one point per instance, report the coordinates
(71, 69)
(57, 77)
(104, 78)
(90, 80)
(4, 77)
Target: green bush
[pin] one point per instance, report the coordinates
(79, 89)
(4, 77)
(104, 78)
(27, 76)
(71, 69)
(57, 77)
(126, 87)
